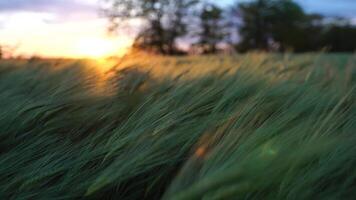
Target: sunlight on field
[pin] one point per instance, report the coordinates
(104, 64)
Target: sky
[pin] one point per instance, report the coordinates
(58, 28)
(75, 28)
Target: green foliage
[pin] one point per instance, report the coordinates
(212, 29)
(339, 38)
(266, 20)
(243, 127)
(283, 25)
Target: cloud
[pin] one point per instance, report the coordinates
(62, 10)
(54, 6)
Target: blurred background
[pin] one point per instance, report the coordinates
(96, 29)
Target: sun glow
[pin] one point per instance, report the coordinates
(47, 36)
(97, 48)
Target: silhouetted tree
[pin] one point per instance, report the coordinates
(212, 28)
(179, 17)
(1, 53)
(271, 22)
(287, 22)
(254, 29)
(339, 38)
(164, 21)
(277, 25)
(283, 25)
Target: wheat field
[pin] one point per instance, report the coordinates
(255, 126)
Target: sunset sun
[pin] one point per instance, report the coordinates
(97, 48)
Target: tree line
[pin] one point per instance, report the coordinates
(266, 25)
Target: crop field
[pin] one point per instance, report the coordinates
(255, 126)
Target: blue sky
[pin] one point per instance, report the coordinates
(63, 27)
(345, 8)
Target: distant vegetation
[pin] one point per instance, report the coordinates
(7, 51)
(258, 126)
(265, 25)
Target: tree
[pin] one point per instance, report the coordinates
(267, 22)
(254, 29)
(339, 38)
(179, 17)
(164, 21)
(287, 22)
(212, 28)
(1, 53)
